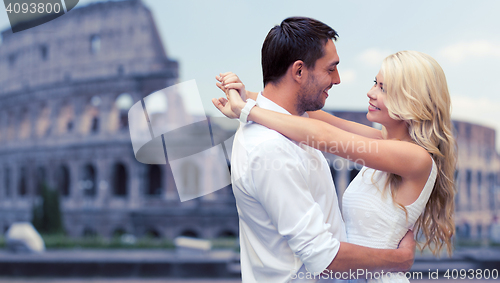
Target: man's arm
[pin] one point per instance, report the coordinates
(352, 257)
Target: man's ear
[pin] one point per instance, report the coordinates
(298, 70)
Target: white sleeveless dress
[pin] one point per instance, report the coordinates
(373, 220)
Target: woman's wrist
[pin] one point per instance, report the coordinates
(245, 111)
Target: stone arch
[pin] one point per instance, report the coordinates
(466, 230)
(11, 125)
(63, 180)
(119, 112)
(479, 231)
(189, 232)
(120, 180)
(91, 116)
(25, 124)
(154, 180)
(88, 182)
(66, 118)
(227, 234)
(7, 181)
(41, 179)
(95, 43)
(119, 231)
(152, 233)
(22, 185)
(89, 232)
(43, 121)
(491, 191)
(479, 183)
(468, 184)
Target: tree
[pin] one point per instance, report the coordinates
(47, 214)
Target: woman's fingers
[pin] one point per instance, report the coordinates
(222, 101)
(216, 103)
(225, 74)
(230, 79)
(237, 86)
(224, 107)
(219, 85)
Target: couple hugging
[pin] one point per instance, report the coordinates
(291, 227)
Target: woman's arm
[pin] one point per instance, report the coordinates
(405, 159)
(401, 158)
(349, 126)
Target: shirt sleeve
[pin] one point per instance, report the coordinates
(280, 181)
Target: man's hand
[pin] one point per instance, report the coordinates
(407, 246)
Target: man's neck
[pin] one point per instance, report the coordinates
(282, 95)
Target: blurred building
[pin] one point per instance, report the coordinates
(65, 90)
(478, 181)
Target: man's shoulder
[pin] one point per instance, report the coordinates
(254, 136)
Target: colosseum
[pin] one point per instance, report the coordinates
(65, 90)
(64, 98)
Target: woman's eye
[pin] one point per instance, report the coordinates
(382, 88)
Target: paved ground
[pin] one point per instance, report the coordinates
(37, 280)
(464, 259)
(118, 280)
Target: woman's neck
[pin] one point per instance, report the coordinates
(398, 131)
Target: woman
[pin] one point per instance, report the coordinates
(407, 181)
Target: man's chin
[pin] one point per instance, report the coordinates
(315, 108)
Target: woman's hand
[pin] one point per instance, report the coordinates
(225, 107)
(229, 78)
(235, 90)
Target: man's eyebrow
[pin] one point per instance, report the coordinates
(334, 63)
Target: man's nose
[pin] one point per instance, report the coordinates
(336, 77)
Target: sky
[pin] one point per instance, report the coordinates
(209, 37)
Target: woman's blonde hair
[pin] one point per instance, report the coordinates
(417, 93)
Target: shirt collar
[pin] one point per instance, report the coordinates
(267, 103)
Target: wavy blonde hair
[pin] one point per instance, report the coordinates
(417, 93)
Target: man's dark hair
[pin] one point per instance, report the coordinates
(297, 38)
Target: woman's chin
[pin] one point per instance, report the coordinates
(370, 117)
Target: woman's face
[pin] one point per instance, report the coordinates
(377, 111)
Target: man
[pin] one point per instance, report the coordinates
(290, 222)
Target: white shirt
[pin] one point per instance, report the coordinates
(288, 210)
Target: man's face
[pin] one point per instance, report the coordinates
(313, 93)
